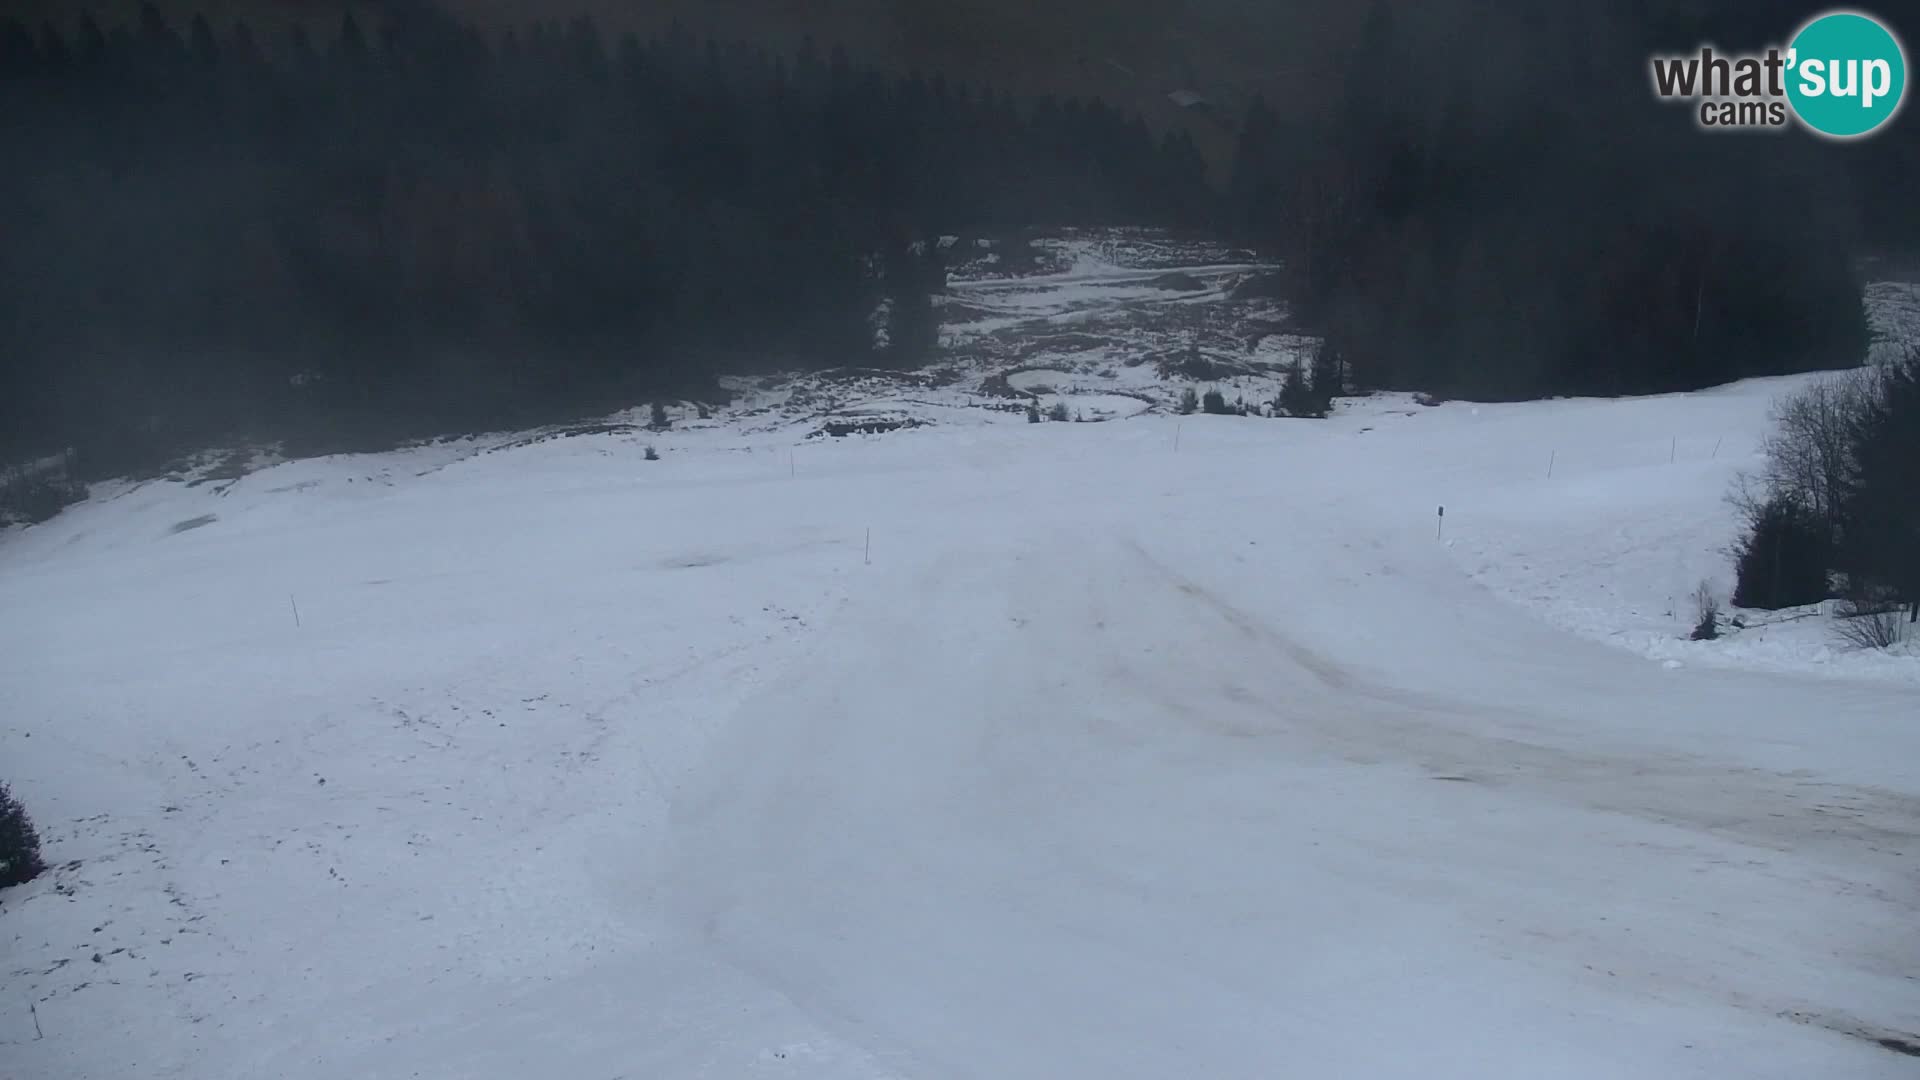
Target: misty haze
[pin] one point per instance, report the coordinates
(867, 540)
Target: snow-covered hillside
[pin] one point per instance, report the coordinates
(1190, 746)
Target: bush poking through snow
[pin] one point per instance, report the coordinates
(1033, 412)
(20, 860)
(1189, 402)
(659, 421)
(1058, 414)
(1706, 610)
(1871, 623)
(1215, 404)
(652, 454)
(1784, 557)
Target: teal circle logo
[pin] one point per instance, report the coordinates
(1847, 75)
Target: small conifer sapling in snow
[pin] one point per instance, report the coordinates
(20, 860)
(1706, 607)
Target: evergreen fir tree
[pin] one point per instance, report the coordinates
(20, 859)
(1298, 398)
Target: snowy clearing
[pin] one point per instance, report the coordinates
(1171, 747)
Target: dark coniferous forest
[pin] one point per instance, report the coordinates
(1533, 223)
(421, 227)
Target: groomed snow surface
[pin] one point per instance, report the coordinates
(1171, 747)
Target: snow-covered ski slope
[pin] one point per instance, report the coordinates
(1157, 748)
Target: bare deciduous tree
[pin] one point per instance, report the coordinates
(1871, 623)
(1810, 453)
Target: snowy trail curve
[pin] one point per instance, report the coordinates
(1069, 813)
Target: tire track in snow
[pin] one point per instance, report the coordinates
(1019, 802)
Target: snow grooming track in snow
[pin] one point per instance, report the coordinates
(1113, 761)
(1142, 835)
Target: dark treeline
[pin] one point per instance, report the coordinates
(1498, 207)
(415, 227)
